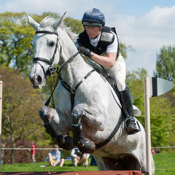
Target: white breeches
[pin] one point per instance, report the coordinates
(118, 72)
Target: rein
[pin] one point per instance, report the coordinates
(59, 77)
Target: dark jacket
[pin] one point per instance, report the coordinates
(83, 40)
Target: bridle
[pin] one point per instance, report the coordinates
(51, 69)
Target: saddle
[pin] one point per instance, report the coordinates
(109, 79)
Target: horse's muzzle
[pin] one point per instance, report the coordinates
(37, 81)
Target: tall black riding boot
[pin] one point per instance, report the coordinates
(130, 123)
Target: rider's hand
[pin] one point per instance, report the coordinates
(85, 51)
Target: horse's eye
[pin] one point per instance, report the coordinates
(51, 44)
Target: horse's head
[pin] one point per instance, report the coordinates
(46, 48)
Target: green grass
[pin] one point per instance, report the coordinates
(164, 163)
(35, 167)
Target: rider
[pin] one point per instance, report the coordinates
(98, 39)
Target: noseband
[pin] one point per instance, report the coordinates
(50, 62)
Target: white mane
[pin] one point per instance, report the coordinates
(47, 23)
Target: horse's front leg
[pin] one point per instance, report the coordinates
(52, 121)
(93, 118)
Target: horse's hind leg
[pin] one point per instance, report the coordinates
(47, 114)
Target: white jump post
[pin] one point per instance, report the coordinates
(1, 85)
(152, 87)
(147, 124)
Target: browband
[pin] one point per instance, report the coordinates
(47, 32)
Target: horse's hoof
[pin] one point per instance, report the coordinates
(59, 139)
(89, 146)
(66, 143)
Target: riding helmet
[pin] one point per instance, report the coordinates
(93, 17)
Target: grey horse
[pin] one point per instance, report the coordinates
(85, 103)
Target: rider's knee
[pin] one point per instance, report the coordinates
(121, 85)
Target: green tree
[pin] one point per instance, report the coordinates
(171, 99)
(165, 63)
(74, 24)
(21, 103)
(15, 38)
(165, 66)
(161, 109)
(134, 80)
(38, 18)
(162, 114)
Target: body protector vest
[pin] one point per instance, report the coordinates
(106, 38)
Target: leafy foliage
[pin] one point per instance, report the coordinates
(74, 24)
(21, 103)
(161, 117)
(161, 109)
(15, 37)
(165, 63)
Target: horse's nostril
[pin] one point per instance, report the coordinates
(39, 79)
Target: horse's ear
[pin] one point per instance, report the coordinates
(33, 23)
(59, 22)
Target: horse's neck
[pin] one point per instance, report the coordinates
(77, 69)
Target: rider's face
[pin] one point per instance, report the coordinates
(92, 31)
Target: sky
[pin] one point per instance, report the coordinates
(147, 26)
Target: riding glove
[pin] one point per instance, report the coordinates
(85, 51)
